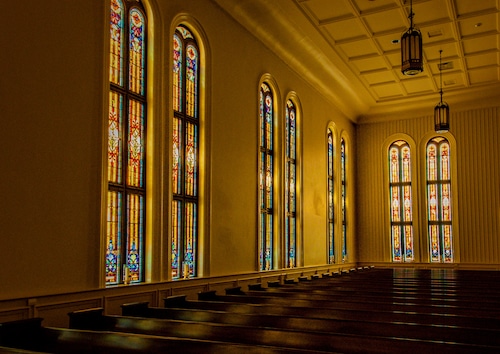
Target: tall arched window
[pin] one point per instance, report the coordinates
(126, 143)
(330, 180)
(185, 154)
(266, 178)
(290, 185)
(439, 200)
(401, 202)
(343, 196)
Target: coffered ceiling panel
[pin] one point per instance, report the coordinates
(337, 33)
(361, 39)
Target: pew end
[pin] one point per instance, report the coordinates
(207, 295)
(257, 286)
(235, 290)
(174, 301)
(15, 333)
(134, 308)
(88, 318)
(273, 284)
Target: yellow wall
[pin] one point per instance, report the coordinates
(476, 194)
(53, 96)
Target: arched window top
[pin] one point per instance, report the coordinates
(186, 34)
(333, 128)
(266, 98)
(269, 87)
(116, 42)
(399, 143)
(331, 150)
(399, 139)
(186, 72)
(137, 49)
(290, 128)
(438, 147)
(135, 41)
(267, 116)
(399, 151)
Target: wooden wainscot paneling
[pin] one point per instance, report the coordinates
(14, 314)
(113, 303)
(246, 281)
(163, 294)
(56, 314)
(221, 286)
(191, 292)
(264, 279)
(17, 309)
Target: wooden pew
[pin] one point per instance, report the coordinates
(6, 350)
(348, 304)
(485, 305)
(31, 336)
(274, 337)
(449, 280)
(302, 323)
(332, 288)
(479, 295)
(332, 285)
(372, 314)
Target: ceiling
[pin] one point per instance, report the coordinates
(350, 50)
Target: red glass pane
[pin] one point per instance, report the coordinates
(136, 141)
(115, 137)
(176, 156)
(192, 81)
(191, 159)
(135, 231)
(113, 237)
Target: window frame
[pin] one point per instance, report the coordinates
(399, 186)
(452, 224)
(331, 194)
(129, 259)
(267, 162)
(190, 268)
(291, 212)
(343, 196)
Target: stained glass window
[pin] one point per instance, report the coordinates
(126, 144)
(439, 200)
(401, 202)
(331, 244)
(343, 197)
(185, 154)
(290, 185)
(266, 178)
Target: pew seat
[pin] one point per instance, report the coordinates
(30, 336)
(488, 337)
(320, 341)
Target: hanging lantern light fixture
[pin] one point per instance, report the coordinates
(442, 110)
(411, 49)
